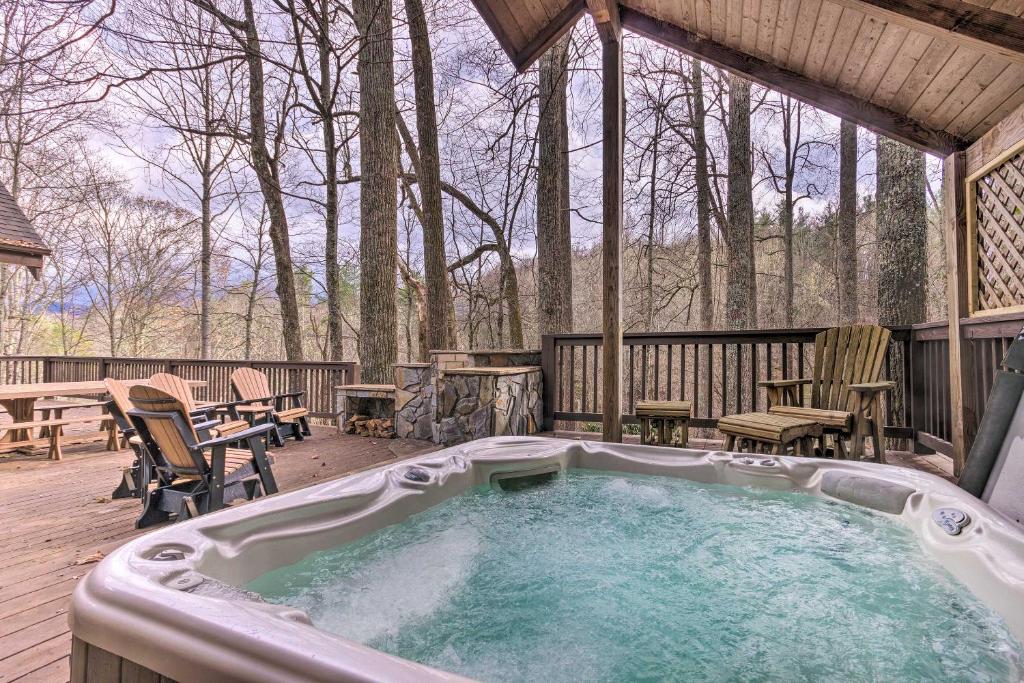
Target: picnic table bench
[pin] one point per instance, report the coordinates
(19, 400)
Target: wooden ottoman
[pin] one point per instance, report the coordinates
(769, 433)
(662, 421)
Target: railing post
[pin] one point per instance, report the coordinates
(103, 367)
(914, 381)
(547, 367)
(47, 369)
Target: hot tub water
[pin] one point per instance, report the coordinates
(601, 576)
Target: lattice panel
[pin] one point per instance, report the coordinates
(999, 197)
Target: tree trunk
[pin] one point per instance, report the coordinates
(902, 231)
(652, 196)
(378, 204)
(266, 169)
(206, 247)
(554, 240)
(902, 226)
(707, 305)
(335, 334)
(439, 299)
(740, 285)
(846, 224)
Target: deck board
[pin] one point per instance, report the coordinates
(57, 514)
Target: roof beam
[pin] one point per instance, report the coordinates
(866, 114)
(606, 18)
(559, 25)
(967, 24)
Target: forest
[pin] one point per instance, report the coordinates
(362, 180)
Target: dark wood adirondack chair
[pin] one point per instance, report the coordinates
(202, 413)
(137, 476)
(845, 393)
(194, 475)
(253, 390)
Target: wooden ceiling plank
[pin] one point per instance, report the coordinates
(1010, 81)
(935, 57)
(770, 75)
(965, 23)
(1014, 7)
(767, 26)
(733, 23)
(789, 10)
(703, 10)
(939, 86)
(748, 37)
(888, 47)
(861, 53)
(842, 45)
(998, 116)
(561, 24)
(719, 11)
(498, 29)
(821, 40)
(804, 30)
(973, 88)
(911, 52)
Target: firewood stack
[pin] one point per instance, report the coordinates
(364, 425)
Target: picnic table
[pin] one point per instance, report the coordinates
(19, 400)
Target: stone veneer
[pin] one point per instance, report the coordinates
(476, 402)
(414, 401)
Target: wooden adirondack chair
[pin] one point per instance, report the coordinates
(253, 390)
(195, 475)
(845, 396)
(137, 476)
(202, 413)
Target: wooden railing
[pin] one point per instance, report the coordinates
(719, 372)
(317, 379)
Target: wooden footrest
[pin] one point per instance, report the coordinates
(663, 409)
(770, 429)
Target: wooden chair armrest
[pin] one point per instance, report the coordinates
(258, 430)
(784, 382)
(872, 387)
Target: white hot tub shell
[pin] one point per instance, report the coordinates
(168, 602)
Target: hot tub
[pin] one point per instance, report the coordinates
(208, 599)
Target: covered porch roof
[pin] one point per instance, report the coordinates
(936, 74)
(946, 76)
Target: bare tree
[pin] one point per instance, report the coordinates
(741, 285)
(244, 31)
(378, 243)
(554, 238)
(427, 166)
(846, 225)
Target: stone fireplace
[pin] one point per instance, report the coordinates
(367, 410)
(459, 396)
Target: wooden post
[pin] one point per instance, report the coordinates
(547, 365)
(954, 218)
(606, 16)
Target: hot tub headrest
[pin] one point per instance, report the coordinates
(876, 494)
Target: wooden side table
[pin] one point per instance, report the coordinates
(664, 423)
(769, 433)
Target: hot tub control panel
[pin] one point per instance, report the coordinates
(951, 520)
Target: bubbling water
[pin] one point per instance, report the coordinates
(612, 577)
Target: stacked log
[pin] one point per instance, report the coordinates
(364, 425)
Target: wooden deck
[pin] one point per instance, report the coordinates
(58, 517)
(58, 520)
